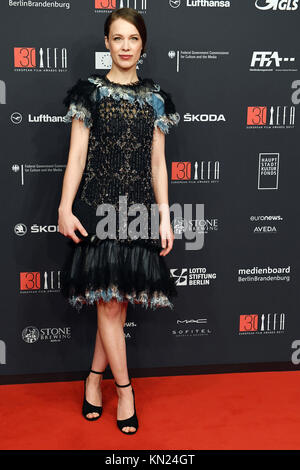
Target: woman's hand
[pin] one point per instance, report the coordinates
(68, 223)
(167, 236)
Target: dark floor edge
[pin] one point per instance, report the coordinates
(154, 372)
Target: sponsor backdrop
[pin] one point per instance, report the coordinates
(232, 68)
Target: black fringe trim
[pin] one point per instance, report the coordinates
(82, 90)
(99, 264)
(80, 93)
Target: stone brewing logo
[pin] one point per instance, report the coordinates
(30, 334)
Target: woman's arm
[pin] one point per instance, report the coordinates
(67, 222)
(160, 188)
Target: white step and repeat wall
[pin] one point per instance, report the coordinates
(232, 68)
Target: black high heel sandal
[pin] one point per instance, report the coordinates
(132, 421)
(88, 407)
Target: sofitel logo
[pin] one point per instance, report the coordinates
(275, 117)
(192, 328)
(45, 60)
(202, 172)
(270, 323)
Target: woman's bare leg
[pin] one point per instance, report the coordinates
(99, 364)
(111, 330)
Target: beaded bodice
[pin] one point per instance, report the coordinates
(121, 119)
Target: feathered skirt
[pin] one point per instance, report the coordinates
(108, 269)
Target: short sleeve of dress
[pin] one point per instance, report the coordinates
(78, 101)
(166, 115)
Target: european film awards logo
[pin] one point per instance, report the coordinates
(271, 117)
(39, 281)
(42, 59)
(102, 6)
(270, 323)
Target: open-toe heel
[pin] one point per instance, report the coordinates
(88, 407)
(132, 421)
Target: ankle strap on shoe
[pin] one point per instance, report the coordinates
(127, 385)
(95, 372)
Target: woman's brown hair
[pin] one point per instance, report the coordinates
(133, 17)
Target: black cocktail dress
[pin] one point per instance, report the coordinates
(119, 265)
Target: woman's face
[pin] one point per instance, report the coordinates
(124, 40)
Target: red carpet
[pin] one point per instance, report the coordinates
(222, 411)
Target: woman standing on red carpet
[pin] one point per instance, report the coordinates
(119, 121)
